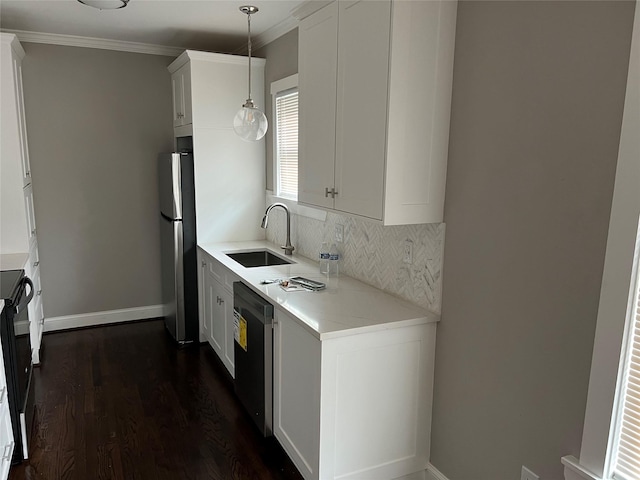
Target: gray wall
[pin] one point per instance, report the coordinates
(96, 120)
(282, 61)
(537, 107)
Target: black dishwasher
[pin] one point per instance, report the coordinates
(253, 355)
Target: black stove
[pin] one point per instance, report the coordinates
(16, 290)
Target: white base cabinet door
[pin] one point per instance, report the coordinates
(216, 309)
(355, 407)
(296, 393)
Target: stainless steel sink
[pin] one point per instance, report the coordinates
(259, 258)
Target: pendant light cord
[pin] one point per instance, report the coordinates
(249, 44)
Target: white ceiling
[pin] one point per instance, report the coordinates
(214, 25)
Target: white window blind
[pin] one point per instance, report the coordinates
(286, 106)
(626, 452)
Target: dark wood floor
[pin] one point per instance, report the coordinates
(122, 402)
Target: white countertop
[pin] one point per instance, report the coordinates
(13, 261)
(346, 307)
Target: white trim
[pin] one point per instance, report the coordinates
(616, 282)
(100, 43)
(102, 318)
(284, 84)
(188, 55)
(574, 471)
(307, 8)
(13, 42)
(434, 474)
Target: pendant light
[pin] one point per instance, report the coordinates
(105, 4)
(250, 123)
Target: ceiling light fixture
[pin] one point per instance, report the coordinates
(250, 123)
(105, 4)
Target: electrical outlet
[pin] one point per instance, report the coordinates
(528, 474)
(339, 233)
(407, 253)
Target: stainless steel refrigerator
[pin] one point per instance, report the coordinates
(178, 246)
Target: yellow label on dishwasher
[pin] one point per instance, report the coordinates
(242, 334)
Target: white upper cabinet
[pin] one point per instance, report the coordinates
(375, 100)
(17, 213)
(181, 85)
(318, 39)
(229, 172)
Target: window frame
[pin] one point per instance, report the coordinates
(616, 295)
(279, 87)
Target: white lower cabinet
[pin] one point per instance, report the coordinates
(216, 309)
(354, 407)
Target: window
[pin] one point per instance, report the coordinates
(614, 389)
(285, 142)
(625, 463)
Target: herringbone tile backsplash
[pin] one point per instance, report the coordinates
(373, 253)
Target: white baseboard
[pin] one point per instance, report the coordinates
(431, 473)
(102, 318)
(434, 474)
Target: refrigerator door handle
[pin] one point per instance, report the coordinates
(177, 185)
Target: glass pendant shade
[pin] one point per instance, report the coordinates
(250, 123)
(105, 4)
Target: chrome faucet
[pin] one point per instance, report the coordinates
(288, 248)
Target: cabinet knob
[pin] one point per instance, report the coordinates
(42, 321)
(204, 264)
(39, 292)
(28, 174)
(35, 264)
(33, 232)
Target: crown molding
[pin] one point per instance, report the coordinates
(307, 8)
(11, 40)
(100, 43)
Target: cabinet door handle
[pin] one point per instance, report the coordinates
(35, 264)
(42, 321)
(7, 452)
(28, 174)
(221, 301)
(331, 192)
(33, 232)
(39, 292)
(204, 264)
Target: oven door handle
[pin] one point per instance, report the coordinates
(26, 301)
